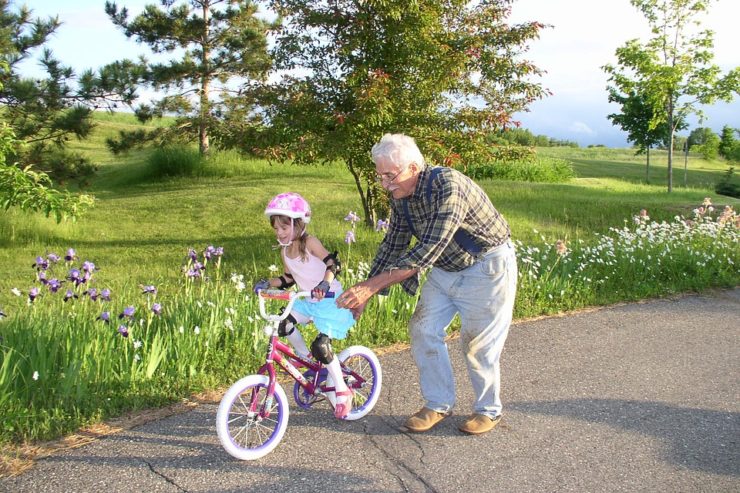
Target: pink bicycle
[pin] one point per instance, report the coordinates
(253, 414)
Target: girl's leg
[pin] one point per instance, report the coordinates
(341, 398)
(295, 337)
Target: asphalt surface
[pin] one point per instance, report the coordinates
(638, 397)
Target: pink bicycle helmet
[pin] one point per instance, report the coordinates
(289, 204)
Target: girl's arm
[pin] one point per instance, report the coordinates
(316, 249)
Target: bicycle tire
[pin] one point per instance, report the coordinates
(363, 361)
(242, 433)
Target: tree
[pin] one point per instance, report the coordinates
(635, 119)
(710, 148)
(673, 69)
(699, 136)
(30, 190)
(444, 71)
(219, 41)
(727, 142)
(46, 112)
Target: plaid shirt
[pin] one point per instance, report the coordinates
(456, 202)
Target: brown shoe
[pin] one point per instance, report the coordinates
(424, 420)
(479, 423)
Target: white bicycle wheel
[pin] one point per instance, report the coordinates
(243, 432)
(364, 363)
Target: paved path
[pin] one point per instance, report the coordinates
(640, 397)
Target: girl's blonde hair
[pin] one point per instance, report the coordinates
(298, 225)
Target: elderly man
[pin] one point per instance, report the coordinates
(465, 240)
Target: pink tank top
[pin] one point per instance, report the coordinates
(308, 274)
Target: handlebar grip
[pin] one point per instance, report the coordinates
(275, 294)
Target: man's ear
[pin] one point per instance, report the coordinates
(414, 167)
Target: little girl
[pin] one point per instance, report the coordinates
(308, 264)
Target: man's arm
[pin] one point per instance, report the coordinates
(356, 297)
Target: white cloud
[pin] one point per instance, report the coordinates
(581, 128)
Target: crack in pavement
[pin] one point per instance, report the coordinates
(151, 468)
(400, 464)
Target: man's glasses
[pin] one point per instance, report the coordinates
(386, 177)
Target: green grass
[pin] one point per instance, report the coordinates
(141, 228)
(625, 165)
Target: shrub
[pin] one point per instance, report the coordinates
(176, 161)
(728, 185)
(539, 169)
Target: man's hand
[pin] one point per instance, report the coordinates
(357, 312)
(356, 297)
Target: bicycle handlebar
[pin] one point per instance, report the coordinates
(279, 294)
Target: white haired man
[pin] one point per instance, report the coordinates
(465, 241)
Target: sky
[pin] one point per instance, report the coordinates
(584, 36)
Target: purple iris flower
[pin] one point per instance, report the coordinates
(149, 290)
(105, 294)
(41, 263)
(105, 317)
(92, 293)
(193, 273)
(128, 312)
(192, 254)
(352, 217)
(88, 267)
(69, 295)
(41, 276)
(208, 252)
(219, 251)
(157, 309)
(53, 258)
(75, 276)
(32, 294)
(382, 225)
(123, 330)
(349, 238)
(71, 255)
(54, 285)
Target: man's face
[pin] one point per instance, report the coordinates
(398, 181)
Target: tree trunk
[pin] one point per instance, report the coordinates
(203, 144)
(670, 143)
(686, 168)
(647, 167)
(366, 195)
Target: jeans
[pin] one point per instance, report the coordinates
(483, 295)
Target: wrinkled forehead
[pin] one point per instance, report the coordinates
(385, 165)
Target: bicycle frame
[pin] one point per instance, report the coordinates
(282, 354)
